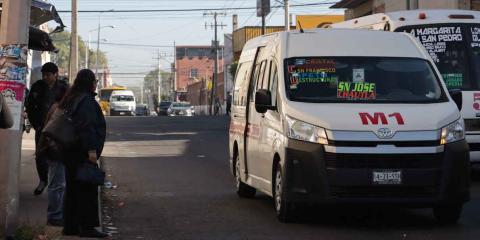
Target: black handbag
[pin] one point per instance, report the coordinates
(61, 126)
(90, 173)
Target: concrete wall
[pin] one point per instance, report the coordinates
(423, 4)
(361, 10)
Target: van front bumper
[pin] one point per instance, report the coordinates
(315, 176)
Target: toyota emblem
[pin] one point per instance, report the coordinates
(385, 133)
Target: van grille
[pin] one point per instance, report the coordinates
(384, 161)
(472, 125)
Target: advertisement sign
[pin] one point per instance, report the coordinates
(263, 7)
(317, 21)
(13, 73)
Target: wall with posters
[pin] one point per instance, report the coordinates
(13, 74)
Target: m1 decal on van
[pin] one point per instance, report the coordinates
(380, 118)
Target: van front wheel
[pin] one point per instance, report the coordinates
(283, 208)
(243, 190)
(448, 214)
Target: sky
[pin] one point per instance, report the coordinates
(164, 28)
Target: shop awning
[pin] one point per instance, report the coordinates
(42, 12)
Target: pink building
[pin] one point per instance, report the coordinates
(193, 64)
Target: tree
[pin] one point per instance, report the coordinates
(62, 58)
(150, 84)
(233, 69)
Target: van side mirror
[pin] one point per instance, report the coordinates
(456, 95)
(263, 101)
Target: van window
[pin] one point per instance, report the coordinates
(266, 76)
(273, 82)
(241, 84)
(260, 78)
(122, 98)
(362, 79)
(449, 46)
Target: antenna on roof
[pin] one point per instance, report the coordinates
(300, 25)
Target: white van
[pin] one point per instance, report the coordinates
(122, 102)
(319, 118)
(452, 38)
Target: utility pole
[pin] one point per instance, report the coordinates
(174, 85)
(159, 79)
(14, 37)
(215, 50)
(98, 49)
(287, 16)
(263, 9)
(87, 50)
(73, 44)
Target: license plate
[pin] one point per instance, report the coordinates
(387, 177)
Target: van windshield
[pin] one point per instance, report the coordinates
(362, 79)
(122, 98)
(180, 105)
(454, 47)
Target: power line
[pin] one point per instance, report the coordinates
(189, 9)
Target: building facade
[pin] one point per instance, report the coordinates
(194, 64)
(360, 8)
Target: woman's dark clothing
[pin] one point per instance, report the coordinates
(81, 200)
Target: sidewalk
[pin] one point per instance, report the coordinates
(33, 209)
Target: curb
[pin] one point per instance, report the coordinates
(100, 197)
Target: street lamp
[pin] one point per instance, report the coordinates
(87, 49)
(98, 45)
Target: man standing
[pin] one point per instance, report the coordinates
(43, 94)
(229, 103)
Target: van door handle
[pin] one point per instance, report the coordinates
(235, 115)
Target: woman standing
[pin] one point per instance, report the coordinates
(81, 200)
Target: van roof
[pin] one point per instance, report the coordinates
(339, 42)
(122, 92)
(412, 17)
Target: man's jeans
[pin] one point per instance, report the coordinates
(56, 190)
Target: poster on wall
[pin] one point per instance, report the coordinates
(13, 73)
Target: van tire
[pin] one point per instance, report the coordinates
(283, 208)
(243, 190)
(448, 214)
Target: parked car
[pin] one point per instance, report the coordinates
(163, 107)
(181, 109)
(142, 110)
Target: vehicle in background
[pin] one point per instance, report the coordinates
(163, 108)
(452, 38)
(181, 109)
(104, 95)
(122, 102)
(142, 110)
(343, 124)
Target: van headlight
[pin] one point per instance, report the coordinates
(453, 132)
(303, 131)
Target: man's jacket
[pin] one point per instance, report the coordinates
(41, 98)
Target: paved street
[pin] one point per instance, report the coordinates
(171, 181)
